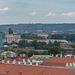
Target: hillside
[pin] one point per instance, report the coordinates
(44, 27)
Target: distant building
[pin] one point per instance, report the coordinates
(48, 40)
(63, 45)
(43, 35)
(54, 32)
(1, 39)
(10, 37)
(40, 57)
(68, 51)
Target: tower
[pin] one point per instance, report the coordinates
(7, 39)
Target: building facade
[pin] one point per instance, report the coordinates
(1, 39)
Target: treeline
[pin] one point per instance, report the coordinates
(68, 37)
(51, 50)
(29, 36)
(37, 45)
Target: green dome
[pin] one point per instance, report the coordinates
(10, 52)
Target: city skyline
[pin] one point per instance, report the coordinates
(37, 11)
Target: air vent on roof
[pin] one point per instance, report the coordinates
(70, 64)
(65, 56)
(22, 55)
(33, 60)
(19, 63)
(52, 55)
(14, 62)
(57, 55)
(24, 63)
(67, 64)
(61, 56)
(73, 64)
(30, 63)
(36, 64)
(6, 72)
(28, 60)
(70, 56)
(19, 73)
(2, 61)
(8, 62)
(23, 60)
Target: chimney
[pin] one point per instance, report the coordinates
(14, 62)
(67, 65)
(52, 55)
(24, 55)
(19, 63)
(8, 62)
(73, 64)
(2, 61)
(65, 56)
(20, 73)
(56, 55)
(6, 72)
(61, 56)
(36, 64)
(28, 60)
(70, 57)
(24, 63)
(33, 60)
(23, 60)
(30, 63)
(70, 64)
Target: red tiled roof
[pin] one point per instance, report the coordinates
(58, 61)
(18, 58)
(29, 70)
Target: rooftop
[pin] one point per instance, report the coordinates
(35, 70)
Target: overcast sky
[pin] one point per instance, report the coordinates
(37, 11)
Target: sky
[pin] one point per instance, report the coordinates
(37, 11)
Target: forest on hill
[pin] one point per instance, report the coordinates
(65, 27)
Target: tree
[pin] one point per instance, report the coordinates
(34, 44)
(6, 43)
(22, 43)
(21, 52)
(13, 42)
(10, 49)
(30, 53)
(70, 37)
(54, 50)
(73, 46)
(23, 36)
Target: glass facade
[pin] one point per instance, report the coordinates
(1, 39)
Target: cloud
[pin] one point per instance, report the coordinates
(50, 14)
(4, 9)
(70, 14)
(33, 13)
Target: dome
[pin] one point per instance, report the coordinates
(10, 31)
(6, 52)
